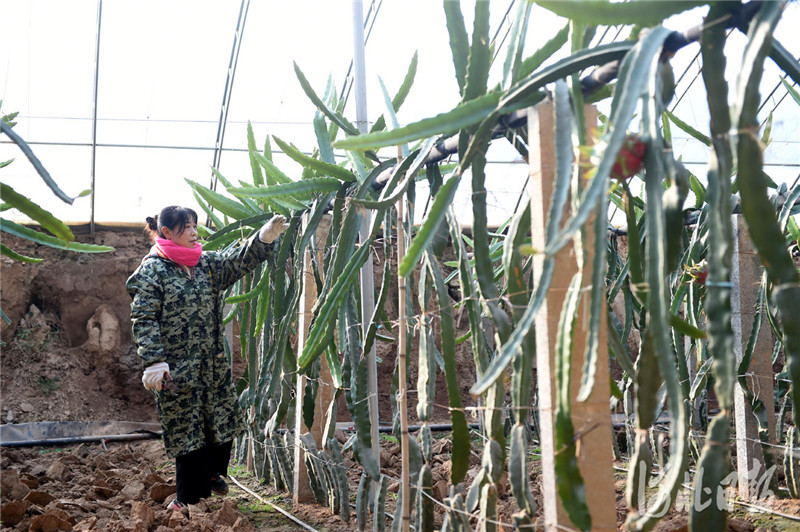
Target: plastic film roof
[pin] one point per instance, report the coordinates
(133, 110)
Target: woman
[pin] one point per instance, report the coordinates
(177, 295)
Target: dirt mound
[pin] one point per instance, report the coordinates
(67, 353)
(44, 379)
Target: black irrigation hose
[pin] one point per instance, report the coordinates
(435, 428)
(143, 435)
(412, 428)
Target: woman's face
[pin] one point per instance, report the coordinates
(186, 238)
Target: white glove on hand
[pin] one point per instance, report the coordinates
(154, 375)
(274, 228)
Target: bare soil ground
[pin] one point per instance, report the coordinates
(67, 355)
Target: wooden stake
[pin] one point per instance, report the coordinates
(402, 403)
(591, 418)
(302, 492)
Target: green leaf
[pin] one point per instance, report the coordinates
(484, 269)
(12, 228)
(757, 209)
(480, 56)
(213, 218)
(36, 213)
(13, 255)
(574, 63)
(335, 366)
(459, 42)
(472, 304)
(714, 464)
(632, 84)
(516, 44)
(763, 226)
(794, 229)
(333, 116)
(321, 130)
(518, 471)
(437, 213)
(37, 164)
(223, 204)
(527, 91)
(785, 60)
(274, 174)
(390, 112)
(555, 213)
(261, 287)
(318, 185)
(545, 52)
(705, 139)
(460, 454)
(315, 164)
(462, 116)
(408, 168)
(601, 12)
(258, 177)
(267, 149)
(361, 420)
(766, 135)
(401, 95)
(262, 305)
(699, 191)
(569, 482)
(792, 91)
(685, 328)
(316, 340)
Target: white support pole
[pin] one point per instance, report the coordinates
(366, 275)
(367, 310)
(359, 68)
(94, 114)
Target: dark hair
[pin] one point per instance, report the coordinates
(174, 218)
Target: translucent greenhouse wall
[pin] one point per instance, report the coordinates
(161, 82)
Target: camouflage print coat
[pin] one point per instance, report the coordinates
(177, 319)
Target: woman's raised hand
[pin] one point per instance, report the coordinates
(274, 228)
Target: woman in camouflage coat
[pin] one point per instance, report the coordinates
(176, 312)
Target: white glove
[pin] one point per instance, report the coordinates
(154, 375)
(274, 228)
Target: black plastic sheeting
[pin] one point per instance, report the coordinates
(67, 432)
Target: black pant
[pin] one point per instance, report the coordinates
(194, 470)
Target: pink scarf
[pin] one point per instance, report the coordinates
(178, 254)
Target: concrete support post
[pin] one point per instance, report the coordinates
(746, 277)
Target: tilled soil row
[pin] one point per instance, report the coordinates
(125, 487)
